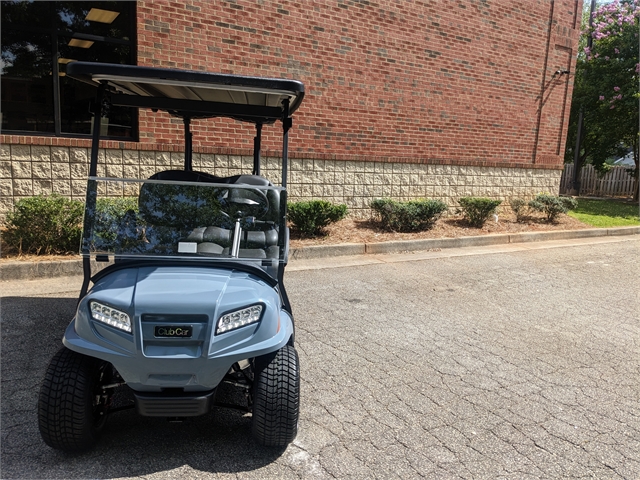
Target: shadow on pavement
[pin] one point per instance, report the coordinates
(131, 445)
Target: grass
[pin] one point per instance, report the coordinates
(606, 213)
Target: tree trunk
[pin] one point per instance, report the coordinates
(636, 173)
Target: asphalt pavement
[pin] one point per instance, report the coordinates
(503, 361)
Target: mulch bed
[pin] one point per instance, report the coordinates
(368, 231)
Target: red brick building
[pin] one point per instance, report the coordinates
(404, 99)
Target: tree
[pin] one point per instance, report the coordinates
(606, 87)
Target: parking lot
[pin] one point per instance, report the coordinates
(506, 365)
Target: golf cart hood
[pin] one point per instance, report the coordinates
(181, 290)
(169, 290)
(178, 296)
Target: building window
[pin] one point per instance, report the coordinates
(39, 39)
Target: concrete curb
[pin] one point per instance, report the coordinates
(22, 270)
(398, 246)
(323, 251)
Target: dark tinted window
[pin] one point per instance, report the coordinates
(27, 83)
(38, 40)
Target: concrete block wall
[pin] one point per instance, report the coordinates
(27, 170)
(358, 183)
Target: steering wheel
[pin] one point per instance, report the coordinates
(245, 202)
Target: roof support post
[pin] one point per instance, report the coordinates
(287, 122)
(188, 145)
(97, 124)
(257, 141)
(92, 188)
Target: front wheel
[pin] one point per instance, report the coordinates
(72, 406)
(276, 398)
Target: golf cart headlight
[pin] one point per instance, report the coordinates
(110, 316)
(239, 318)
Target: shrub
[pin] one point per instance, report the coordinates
(44, 225)
(411, 216)
(310, 218)
(552, 205)
(476, 210)
(110, 213)
(519, 207)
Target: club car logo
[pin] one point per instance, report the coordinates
(180, 332)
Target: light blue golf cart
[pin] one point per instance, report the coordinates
(192, 296)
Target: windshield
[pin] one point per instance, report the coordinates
(185, 220)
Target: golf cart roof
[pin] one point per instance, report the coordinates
(193, 94)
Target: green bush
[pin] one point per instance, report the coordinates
(476, 210)
(109, 215)
(519, 207)
(411, 216)
(310, 218)
(44, 225)
(552, 205)
(52, 224)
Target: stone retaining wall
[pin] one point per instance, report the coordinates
(27, 170)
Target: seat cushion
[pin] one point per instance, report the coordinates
(210, 248)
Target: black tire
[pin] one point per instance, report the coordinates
(276, 398)
(68, 416)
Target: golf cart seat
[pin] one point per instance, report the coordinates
(169, 213)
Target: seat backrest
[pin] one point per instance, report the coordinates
(178, 206)
(187, 176)
(171, 205)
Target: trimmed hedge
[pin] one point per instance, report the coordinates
(552, 205)
(52, 224)
(310, 218)
(476, 210)
(109, 215)
(519, 207)
(44, 225)
(410, 216)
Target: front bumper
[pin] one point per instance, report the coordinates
(184, 405)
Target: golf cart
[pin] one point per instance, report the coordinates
(192, 297)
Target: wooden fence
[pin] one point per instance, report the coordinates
(615, 183)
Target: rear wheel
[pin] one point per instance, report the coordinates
(276, 398)
(72, 407)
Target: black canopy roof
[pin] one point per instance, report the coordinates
(193, 94)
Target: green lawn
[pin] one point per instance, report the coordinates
(606, 213)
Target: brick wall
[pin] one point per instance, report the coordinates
(455, 81)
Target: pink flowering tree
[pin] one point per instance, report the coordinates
(607, 85)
